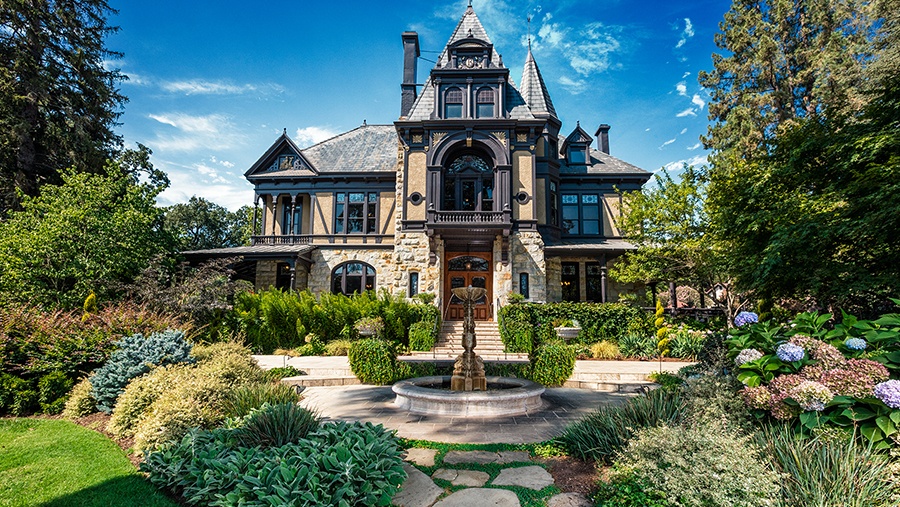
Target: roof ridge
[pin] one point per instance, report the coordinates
(365, 125)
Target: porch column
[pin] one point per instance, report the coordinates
(603, 282)
(293, 209)
(293, 265)
(253, 227)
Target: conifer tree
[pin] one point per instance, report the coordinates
(59, 102)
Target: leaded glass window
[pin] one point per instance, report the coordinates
(484, 99)
(355, 212)
(352, 277)
(453, 103)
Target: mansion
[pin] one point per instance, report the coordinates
(473, 184)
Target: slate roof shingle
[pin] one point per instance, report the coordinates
(368, 148)
(602, 163)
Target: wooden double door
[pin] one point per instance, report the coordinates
(462, 270)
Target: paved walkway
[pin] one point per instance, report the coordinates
(375, 404)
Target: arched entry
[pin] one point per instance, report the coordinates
(463, 270)
(468, 184)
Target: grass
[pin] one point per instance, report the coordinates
(56, 463)
(527, 497)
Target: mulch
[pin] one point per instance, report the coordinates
(572, 475)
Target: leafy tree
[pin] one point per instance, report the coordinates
(200, 224)
(812, 214)
(92, 233)
(59, 103)
(670, 225)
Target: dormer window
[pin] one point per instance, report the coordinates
(577, 155)
(484, 98)
(453, 103)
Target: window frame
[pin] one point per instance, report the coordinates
(345, 275)
(368, 212)
(296, 222)
(580, 206)
(447, 102)
(482, 101)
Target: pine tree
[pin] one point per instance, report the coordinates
(59, 102)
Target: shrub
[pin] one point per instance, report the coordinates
(666, 380)
(341, 347)
(599, 321)
(53, 388)
(626, 490)
(421, 336)
(601, 434)
(80, 402)
(277, 425)
(135, 401)
(134, 357)
(714, 400)
(605, 350)
(517, 336)
(244, 399)
(17, 396)
(686, 343)
(374, 361)
(697, 466)
(276, 374)
(552, 363)
(638, 346)
(370, 326)
(828, 471)
(338, 464)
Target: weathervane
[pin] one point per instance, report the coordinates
(529, 31)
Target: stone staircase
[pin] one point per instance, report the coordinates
(488, 343)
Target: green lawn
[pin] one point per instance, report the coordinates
(56, 463)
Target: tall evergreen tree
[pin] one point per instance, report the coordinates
(59, 102)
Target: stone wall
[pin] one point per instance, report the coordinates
(326, 259)
(554, 279)
(411, 254)
(266, 272)
(527, 256)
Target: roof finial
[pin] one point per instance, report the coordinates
(470, 3)
(284, 131)
(364, 122)
(529, 32)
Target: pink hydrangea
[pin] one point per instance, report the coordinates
(873, 369)
(781, 389)
(848, 382)
(827, 355)
(757, 397)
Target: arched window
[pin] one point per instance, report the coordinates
(484, 97)
(468, 184)
(351, 277)
(453, 103)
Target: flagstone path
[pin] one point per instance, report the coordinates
(454, 484)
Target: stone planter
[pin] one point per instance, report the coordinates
(567, 333)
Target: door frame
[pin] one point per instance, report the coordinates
(454, 311)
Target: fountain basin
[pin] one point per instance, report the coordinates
(505, 396)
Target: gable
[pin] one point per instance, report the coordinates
(283, 158)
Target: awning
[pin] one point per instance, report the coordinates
(580, 247)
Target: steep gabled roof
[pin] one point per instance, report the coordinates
(283, 146)
(577, 136)
(468, 26)
(603, 164)
(533, 89)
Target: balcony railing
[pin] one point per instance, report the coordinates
(470, 217)
(309, 239)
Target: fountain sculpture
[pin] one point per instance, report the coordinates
(470, 393)
(468, 371)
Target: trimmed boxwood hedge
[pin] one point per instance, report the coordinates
(599, 321)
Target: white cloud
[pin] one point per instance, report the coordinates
(308, 136)
(686, 34)
(697, 101)
(670, 141)
(694, 147)
(210, 132)
(220, 87)
(681, 88)
(647, 129)
(678, 165)
(572, 86)
(686, 74)
(588, 49)
(230, 191)
(683, 131)
(687, 112)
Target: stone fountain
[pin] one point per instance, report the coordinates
(470, 392)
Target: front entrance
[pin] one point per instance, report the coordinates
(462, 271)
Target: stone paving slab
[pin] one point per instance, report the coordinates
(418, 489)
(531, 477)
(569, 500)
(469, 478)
(480, 497)
(420, 456)
(486, 457)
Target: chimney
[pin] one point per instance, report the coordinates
(410, 59)
(602, 136)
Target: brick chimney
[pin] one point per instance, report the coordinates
(410, 60)
(602, 136)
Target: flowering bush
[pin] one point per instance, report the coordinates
(744, 318)
(809, 375)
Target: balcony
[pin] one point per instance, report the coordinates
(310, 239)
(470, 217)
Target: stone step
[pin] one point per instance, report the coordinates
(321, 381)
(608, 377)
(626, 387)
(327, 372)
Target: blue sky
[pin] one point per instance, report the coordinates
(212, 84)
